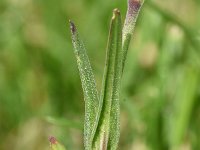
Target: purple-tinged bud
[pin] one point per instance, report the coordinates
(131, 17)
(134, 5)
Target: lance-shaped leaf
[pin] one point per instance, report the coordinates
(88, 85)
(107, 134)
(129, 24)
(55, 145)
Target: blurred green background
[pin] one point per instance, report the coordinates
(40, 89)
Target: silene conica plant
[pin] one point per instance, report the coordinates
(102, 113)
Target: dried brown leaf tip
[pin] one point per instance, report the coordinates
(72, 27)
(134, 5)
(116, 12)
(52, 140)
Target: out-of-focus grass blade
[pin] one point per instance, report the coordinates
(64, 122)
(88, 85)
(55, 145)
(184, 102)
(107, 134)
(129, 25)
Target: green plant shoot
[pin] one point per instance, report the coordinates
(108, 127)
(102, 114)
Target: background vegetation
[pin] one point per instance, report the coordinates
(40, 89)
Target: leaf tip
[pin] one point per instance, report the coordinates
(72, 27)
(116, 13)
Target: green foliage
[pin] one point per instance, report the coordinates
(160, 107)
(184, 101)
(102, 116)
(89, 88)
(107, 135)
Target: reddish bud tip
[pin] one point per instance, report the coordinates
(52, 140)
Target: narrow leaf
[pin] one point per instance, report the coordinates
(55, 145)
(65, 123)
(88, 85)
(107, 135)
(129, 25)
(183, 105)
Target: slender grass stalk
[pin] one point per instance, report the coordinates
(184, 103)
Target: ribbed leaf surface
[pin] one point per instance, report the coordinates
(107, 135)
